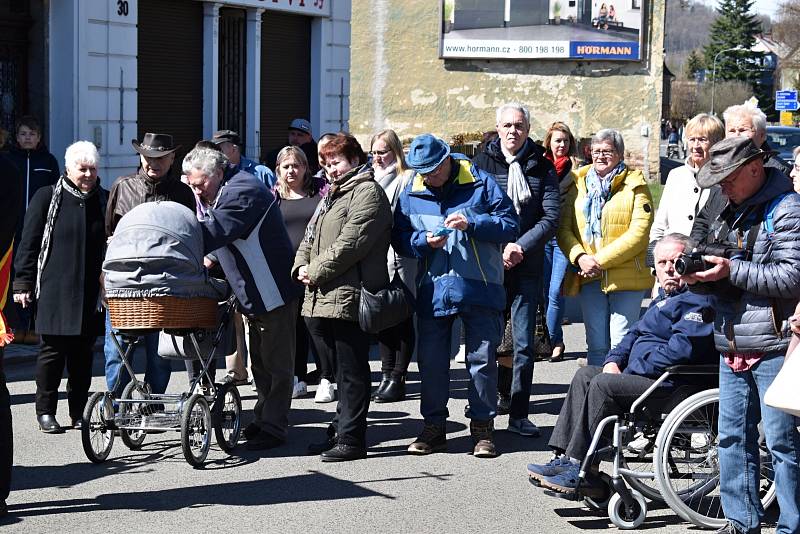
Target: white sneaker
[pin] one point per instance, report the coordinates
(300, 389)
(325, 391)
(461, 355)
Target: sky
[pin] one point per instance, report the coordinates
(766, 7)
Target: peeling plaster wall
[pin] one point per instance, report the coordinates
(399, 82)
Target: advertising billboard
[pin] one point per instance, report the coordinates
(541, 29)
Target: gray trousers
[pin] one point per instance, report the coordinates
(272, 352)
(593, 396)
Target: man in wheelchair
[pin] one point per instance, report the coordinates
(676, 329)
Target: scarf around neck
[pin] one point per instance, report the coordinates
(518, 189)
(598, 191)
(53, 210)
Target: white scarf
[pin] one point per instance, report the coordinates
(518, 189)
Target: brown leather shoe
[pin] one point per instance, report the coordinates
(482, 435)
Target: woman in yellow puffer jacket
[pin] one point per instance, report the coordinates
(604, 227)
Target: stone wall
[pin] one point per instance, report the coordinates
(398, 81)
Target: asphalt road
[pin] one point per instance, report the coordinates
(154, 490)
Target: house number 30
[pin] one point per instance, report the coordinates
(122, 8)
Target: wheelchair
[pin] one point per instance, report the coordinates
(667, 455)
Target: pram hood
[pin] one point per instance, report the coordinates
(157, 250)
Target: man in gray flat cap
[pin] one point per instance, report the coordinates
(756, 289)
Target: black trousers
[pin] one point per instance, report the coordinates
(349, 345)
(6, 437)
(303, 344)
(593, 396)
(327, 357)
(396, 345)
(55, 351)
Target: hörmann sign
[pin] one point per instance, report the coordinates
(541, 29)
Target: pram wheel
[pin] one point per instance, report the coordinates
(196, 430)
(96, 433)
(132, 413)
(627, 518)
(226, 416)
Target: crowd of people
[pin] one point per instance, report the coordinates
(493, 242)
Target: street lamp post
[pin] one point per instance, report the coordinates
(714, 75)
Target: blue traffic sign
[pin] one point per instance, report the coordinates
(786, 100)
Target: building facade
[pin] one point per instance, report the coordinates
(400, 81)
(112, 70)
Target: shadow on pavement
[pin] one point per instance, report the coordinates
(316, 487)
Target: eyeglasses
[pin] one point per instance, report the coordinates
(740, 131)
(434, 172)
(379, 152)
(604, 153)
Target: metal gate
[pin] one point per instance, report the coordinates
(232, 71)
(14, 23)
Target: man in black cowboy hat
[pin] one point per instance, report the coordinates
(756, 289)
(154, 180)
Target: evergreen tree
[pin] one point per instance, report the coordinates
(694, 63)
(735, 26)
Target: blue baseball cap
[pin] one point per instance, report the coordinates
(426, 153)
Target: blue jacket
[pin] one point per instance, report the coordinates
(468, 270)
(245, 231)
(675, 330)
(262, 172)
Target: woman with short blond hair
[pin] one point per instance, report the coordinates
(682, 198)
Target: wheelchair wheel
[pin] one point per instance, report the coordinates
(133, 439)
(687, 467)
(627, 518)
(96, 435)
(226, 416)
(196, 430)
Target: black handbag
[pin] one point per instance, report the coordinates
(385, 308)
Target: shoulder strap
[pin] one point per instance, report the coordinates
(769, 213)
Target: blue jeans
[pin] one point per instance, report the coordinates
(158, 369)
(741, 407)
(607, 318)
(483, 328)
(526, 296)
(555, 268)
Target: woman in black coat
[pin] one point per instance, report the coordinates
(58, 266)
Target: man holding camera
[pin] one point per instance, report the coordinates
(757, 285)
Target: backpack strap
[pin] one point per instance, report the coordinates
(769, 213)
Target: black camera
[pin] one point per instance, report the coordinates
(693, 262)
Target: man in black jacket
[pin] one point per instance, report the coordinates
(530, 180)
(155, 180)
(38, 168)
(9, 211)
